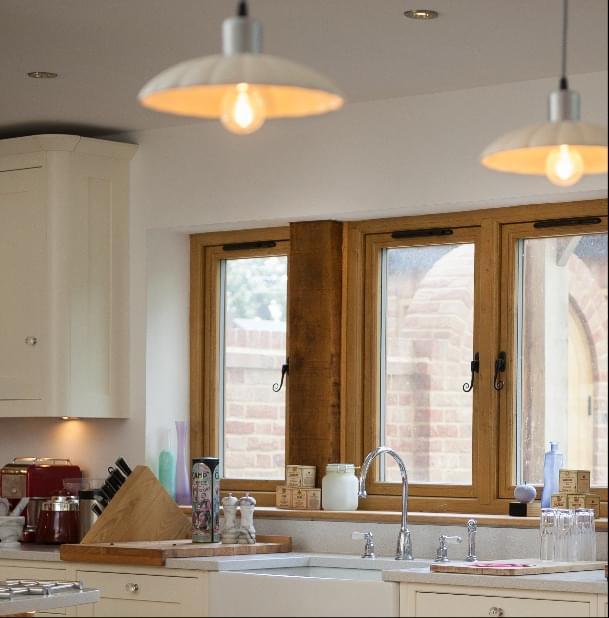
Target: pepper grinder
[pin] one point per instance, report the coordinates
(247, 532)
(230, 529)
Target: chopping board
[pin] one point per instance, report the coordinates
(157, 552)
(533, 567)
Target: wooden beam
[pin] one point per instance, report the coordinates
(314, 345)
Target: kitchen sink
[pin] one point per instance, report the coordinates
(320, 585)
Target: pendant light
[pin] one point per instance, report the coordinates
(564, 149)
(242, 87)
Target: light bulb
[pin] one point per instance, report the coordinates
(243, 110)
(564, 166)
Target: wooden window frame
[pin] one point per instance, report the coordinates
(493, 447)
(206, 253)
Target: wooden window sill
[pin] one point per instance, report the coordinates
(497, 521)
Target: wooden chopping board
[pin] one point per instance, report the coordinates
(535, 567)
(157, 552)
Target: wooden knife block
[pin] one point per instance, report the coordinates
(141, 510)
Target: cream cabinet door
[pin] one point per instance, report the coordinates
(466, 605)
(22, 284)
(136, 594)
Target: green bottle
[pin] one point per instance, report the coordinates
(167, 470)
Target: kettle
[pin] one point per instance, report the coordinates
(58, 522)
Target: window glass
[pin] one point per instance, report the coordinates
(562, 346)
(427, 312)
(253, 349)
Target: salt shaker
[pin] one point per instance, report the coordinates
(230, 529)
(247, 532)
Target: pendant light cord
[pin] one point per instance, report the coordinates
(564, 85)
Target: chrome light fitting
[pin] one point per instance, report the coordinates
(421, 14)
(242, 86)
(42, 75)
(564, 149)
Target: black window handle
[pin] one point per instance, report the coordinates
(499, 368)
(474, 368)
(284, 371)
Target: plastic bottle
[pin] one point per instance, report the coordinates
(552, 463)
(167, 469)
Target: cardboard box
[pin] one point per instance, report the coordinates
(573, 481)
(300, 476)
(558, 501)
(283, 497)
(584, 501)
(314, 499)
(299, 498)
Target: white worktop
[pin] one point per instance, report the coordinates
(592, 582)
(30, 551)
(30, 603)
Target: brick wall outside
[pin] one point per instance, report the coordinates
(254, 414)
(429, 349)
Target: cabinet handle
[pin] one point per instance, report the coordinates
(132, 587)
(495, 611)
(31, 340)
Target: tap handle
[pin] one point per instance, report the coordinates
(442, 551)
(471, 526)
(369, 539)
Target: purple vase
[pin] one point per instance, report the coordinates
(182, 468)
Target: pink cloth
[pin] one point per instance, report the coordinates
(501, 565)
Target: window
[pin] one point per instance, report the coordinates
(465, 341)
(444, 298)
(557, 323)
(238, 312)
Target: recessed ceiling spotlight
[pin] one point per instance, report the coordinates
(421, 14)
(42, 74)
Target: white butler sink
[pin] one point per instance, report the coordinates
(322, 586)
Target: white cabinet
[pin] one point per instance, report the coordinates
(124, 590)
(144, 593)
(64, 234)
(432, 600)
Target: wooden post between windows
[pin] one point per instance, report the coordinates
(314, 326)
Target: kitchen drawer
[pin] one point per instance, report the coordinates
(130, 586)
(466, 605)
(25, 572)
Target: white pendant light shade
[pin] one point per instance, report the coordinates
(526, 150)
(563, 149)
(242, 87)
(198, 87)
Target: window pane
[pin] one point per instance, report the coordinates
(562, 344)
(426, 339)
(254, 348)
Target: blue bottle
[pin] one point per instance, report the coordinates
(553, 461)
(167, 470)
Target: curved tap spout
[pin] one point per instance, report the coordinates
(404, 545)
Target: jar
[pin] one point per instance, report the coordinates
(58, 522)
(339, 488)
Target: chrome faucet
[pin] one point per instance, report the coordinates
(404, 545)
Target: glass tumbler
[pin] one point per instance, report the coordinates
(547, 525)
(585, 535)
(564, 538)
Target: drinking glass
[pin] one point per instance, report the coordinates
(547, 525)
(584, 534)
(563, 536)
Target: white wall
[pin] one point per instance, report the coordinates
(382, 158)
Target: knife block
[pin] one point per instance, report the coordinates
(141, 510)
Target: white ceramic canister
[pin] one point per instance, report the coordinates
(339, 488)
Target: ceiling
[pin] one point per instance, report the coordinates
(105, 50)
